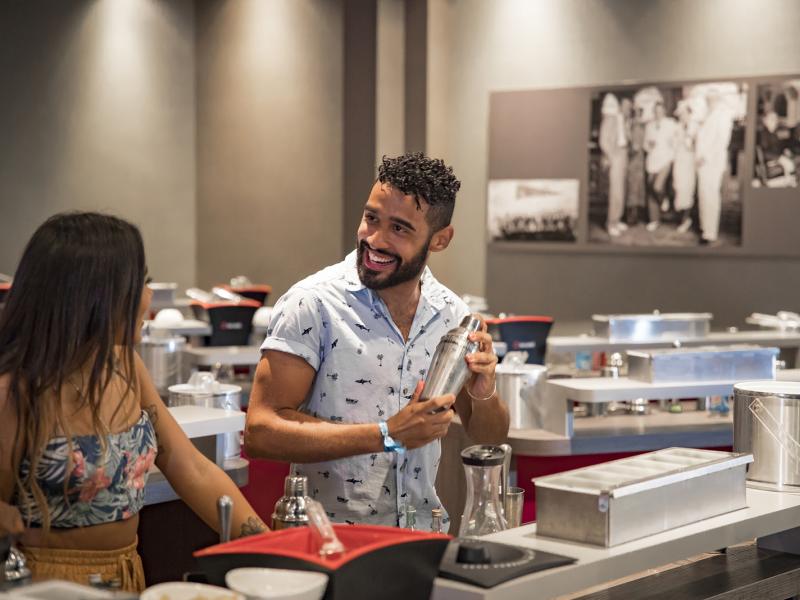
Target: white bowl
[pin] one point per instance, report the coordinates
(168, 316)
(178, 590)
(277, 584)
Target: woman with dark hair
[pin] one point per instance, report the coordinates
(80, 420)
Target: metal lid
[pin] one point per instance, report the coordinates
(470, 323)
(483, 455)
(769, 387)
(163, 340)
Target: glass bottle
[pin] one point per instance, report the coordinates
(436, 520)
(411, 517)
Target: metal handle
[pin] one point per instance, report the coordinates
(778, 433)
(504, 478)
(224, 512)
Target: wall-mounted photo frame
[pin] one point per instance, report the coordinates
(777, 152)
(536, 210)
(664, 164)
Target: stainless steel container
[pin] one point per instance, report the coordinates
(704, 363)
(627, 499)
(448, 370)
(653, 326)
(291, 508)
(203, 390)
(162, 354)
(520, 386)
(163, 294)
(766, 422)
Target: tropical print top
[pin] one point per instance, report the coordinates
(366, 372)
(100, 488)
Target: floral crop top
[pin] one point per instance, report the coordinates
(100, 489)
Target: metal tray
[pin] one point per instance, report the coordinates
(705, 363)
(652, 326)
(631, 498)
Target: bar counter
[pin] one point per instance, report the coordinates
(767, 513)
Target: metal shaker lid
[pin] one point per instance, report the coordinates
(483, 455)
(470, 323)
(769, 387)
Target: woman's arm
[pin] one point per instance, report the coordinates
(197, 480)
(10, 520)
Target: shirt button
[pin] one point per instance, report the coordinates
(405, 390)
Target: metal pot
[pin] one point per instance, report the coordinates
(162, 355)
(520, 387)
(203, 390)
(766, 422)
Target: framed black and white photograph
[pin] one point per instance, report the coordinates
(533, 209)
(665, 164)
(777, 153)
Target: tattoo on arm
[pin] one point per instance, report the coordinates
(252, 526)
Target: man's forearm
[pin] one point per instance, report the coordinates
(488, 420)
(292, 436)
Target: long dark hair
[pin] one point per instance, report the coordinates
(75, 296)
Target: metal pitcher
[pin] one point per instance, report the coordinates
(766, 422)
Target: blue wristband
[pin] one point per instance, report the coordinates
(389, 445)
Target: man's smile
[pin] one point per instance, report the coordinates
(378, 261)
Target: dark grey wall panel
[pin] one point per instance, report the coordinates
(416, 74)
(358, 144)
(573, 286)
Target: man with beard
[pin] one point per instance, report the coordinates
(337, 391)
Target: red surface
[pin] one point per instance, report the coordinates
(529, 467)
(527, 319)
(213, 305)
(250, 288)
(298, 542)
(265, 485)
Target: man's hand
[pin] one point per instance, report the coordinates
(482, 364)
(10, 520)
(417, 425)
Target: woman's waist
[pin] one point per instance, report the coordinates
(107, 536)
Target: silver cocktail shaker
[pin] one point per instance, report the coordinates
(448, 370)
(290, 509)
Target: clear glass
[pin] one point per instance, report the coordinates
(483, 513)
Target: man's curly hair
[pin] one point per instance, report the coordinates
(427, 179)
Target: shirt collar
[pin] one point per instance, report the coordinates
(430, 291)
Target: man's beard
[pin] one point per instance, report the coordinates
(404, 271)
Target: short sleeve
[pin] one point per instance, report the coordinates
(295, 326)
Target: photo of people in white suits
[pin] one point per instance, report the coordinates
(665, 165)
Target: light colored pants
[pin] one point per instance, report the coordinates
(123, 564)
(684, 180)
(617, 170)
(709, 184)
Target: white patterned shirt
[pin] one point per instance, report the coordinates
(366, 372)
